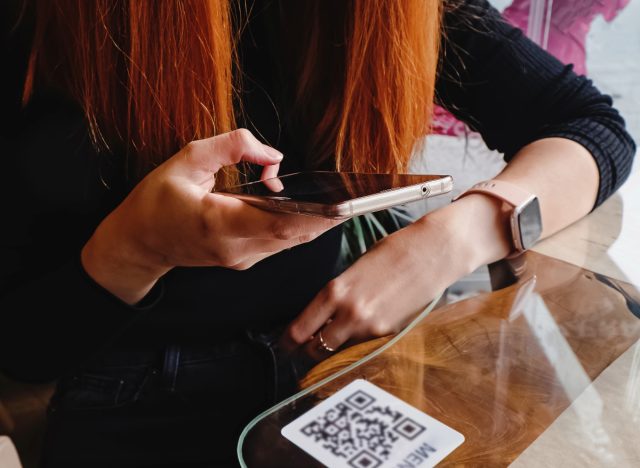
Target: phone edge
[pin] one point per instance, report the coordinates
(356, 207)
(412, 193)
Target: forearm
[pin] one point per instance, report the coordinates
(560, 172)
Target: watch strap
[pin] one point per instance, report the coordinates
(505, 191)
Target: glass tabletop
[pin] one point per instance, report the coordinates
(498, 367)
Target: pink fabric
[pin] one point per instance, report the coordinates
(444, 123)
(570, 24)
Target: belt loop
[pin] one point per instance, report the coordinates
(170, 367)
(266, 342)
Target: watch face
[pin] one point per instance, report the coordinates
(530, 223)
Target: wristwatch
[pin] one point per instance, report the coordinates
(524, 207)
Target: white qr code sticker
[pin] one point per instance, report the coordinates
(362, 426)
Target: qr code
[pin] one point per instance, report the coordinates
(362, 432)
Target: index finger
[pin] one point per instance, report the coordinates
(239, 145)
(227, 149)
(307, 324)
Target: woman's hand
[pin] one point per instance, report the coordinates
(171, 218)
(381, 292)
(384, 289)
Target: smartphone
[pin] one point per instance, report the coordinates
(338, 195)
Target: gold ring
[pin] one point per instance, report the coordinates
(323, 344)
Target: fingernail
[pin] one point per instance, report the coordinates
(273, 153)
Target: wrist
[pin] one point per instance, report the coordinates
(479, 230)
(116, 265)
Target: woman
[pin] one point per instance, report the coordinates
(160, 362)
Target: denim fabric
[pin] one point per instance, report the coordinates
(182, 405)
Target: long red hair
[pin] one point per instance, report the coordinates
(152, 76)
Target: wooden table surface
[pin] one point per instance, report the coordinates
(545, 371)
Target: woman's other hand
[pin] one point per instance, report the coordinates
(385, 289)
(171, 218)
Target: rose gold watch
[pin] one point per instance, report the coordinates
(525, 217)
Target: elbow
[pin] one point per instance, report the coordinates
(627, 158)
(615, 161)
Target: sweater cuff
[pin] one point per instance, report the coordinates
(61, 320)
(148, 302)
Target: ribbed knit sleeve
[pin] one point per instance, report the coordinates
(512, 92)
(59, 320)
(53, 316)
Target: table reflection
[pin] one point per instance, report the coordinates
(499, 367)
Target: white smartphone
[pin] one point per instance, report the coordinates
(338, 195)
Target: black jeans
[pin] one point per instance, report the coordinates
(178, 406)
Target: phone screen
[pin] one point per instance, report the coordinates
(327, 187)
